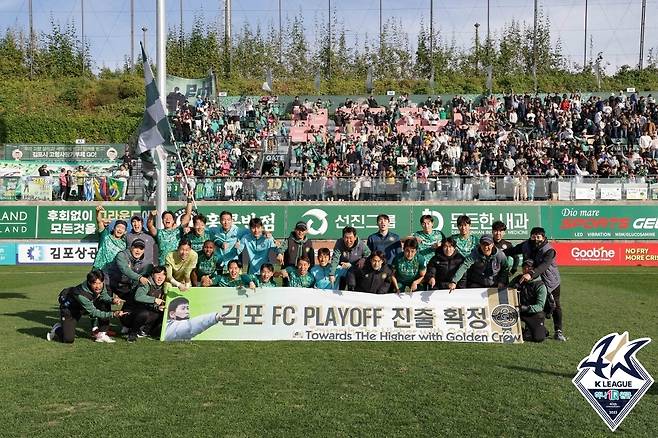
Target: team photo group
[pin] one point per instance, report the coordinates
(136, 264)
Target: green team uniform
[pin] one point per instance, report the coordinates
(426, 241)
(142, 295)
(88, 304)
(167, 242)
(206, 265)
(296, 280)
(406, 271)
(108, 248)
(197, 241)
(258, 282)
(225, 281)
(466, 246)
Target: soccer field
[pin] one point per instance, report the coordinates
(312, 388)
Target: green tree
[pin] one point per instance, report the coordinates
(296, 50)
(13, 59)
(423, 65)
(61, 53)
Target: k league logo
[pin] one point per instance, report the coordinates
(611, 379)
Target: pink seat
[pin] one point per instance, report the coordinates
(298, 134)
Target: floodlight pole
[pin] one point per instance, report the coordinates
(381, 34)
(431, 29)
(585, 44)
(280, 36)
(161, 65)
(329, 42)
(82, 19)
(534, 49)
(31, 41)
(132, 35)
(644, 13)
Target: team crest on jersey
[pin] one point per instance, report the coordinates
(611, 378)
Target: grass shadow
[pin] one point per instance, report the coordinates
(45, 317)
(40, 332)
(538, 371)
(11, 295)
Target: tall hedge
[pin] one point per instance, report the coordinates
(26, 128)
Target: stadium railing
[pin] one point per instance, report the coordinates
(444, 188)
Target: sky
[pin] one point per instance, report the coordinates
(614, 25)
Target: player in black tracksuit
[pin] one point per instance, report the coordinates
(88, 298)
(486, 266)
(146, 306)
(532, 295)
(443, 266)
(374, 277)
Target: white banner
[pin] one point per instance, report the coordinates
(585, 192)
(610, 192)
(467, 315)
(57, 253)
(636, 193)
(564, 191)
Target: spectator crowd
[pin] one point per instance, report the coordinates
(375, 150)
(372, 151)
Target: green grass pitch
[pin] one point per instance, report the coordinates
(246, 389)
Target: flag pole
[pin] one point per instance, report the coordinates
(160, 153)
(187, 183)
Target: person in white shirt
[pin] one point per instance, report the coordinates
(645, 142)
(436, 165)
(654, 146)
(122, 175)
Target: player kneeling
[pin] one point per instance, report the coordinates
(146, 306)
(88, 298)
(532, 296)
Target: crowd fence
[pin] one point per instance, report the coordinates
(323, 189)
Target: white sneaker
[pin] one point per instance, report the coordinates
(103, 337)
(559, 336)
(51, 334)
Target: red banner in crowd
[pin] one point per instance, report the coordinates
(606, 253)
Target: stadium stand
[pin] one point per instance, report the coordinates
(511, 147)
